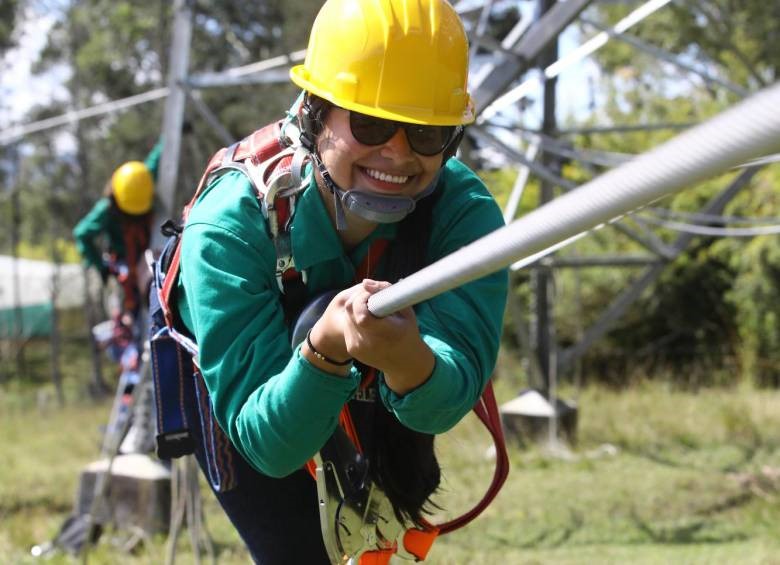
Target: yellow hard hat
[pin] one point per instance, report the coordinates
(403, 60)
(133, 188)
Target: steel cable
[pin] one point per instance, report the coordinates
(745, 131)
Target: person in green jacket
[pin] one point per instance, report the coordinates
(384, 107)
(114, 234)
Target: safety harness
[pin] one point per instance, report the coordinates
(273, 164)
(135, 234)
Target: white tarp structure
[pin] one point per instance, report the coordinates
(33, 294)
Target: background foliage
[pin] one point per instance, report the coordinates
(659, 474)
(711, 318)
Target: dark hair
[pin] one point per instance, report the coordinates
(312, 116)
(402, 461)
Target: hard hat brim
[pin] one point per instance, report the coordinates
(299, 75)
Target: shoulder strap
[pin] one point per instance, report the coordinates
(267, 163)
(257, 148)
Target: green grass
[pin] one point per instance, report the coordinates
(657, 476)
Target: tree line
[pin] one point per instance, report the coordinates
(711, 318)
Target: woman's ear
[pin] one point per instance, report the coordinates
(308, 125)
(452, 146)
(311, 118)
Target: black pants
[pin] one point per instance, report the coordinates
(278, 519)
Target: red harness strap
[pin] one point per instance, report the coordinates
(375, 252)
(258, 147)
(363, 270)
(419, 542)
(135, 234)
(487, 411)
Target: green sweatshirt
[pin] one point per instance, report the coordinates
(276, 407)
(99, 221)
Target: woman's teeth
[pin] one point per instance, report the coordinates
(384, 177)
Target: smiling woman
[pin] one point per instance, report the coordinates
(391, 166)
(358, 187)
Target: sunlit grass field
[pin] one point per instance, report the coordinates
(657, 476)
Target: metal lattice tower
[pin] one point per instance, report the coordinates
(502, 75)
(506, 69)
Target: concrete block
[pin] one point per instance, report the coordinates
(138, 493)
(527, 418)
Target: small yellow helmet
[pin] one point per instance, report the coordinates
(133, 188)
(403, 60)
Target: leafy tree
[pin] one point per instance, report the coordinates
(755, 288)
(714, 304)
(118, 49)
(8, 14)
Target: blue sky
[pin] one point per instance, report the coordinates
(19, 89)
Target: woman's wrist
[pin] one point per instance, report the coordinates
(412, 372)
(323, 357)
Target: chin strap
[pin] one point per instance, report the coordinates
(378, 208)
(372, 207)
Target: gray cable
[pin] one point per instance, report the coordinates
(745, 131)
(707, 218)
(712, 231)
(19, 131)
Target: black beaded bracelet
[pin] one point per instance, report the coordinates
(322, 357)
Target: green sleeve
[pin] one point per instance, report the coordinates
(276, 408)
(152, 160)
(462, 326)
(89, 228)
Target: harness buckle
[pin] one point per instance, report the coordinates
(356, 517)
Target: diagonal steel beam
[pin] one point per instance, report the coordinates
(202, 108)
(513, 202)
(527, 48)
(600, 261)
(671, 58)
(484, 136)
(647, 239)
(624, 128)
(271, 76)
(621, 303)
(274, 69)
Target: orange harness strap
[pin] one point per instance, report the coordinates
(311, 467)
(377, 557)
(345, 419)
(418, 542)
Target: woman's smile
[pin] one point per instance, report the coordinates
(385, 181)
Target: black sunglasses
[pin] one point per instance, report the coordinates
(425, 140)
